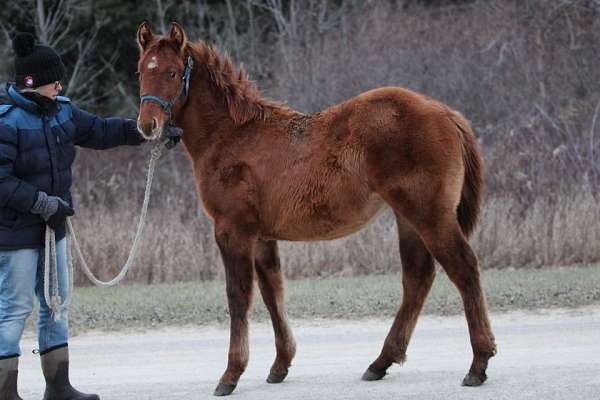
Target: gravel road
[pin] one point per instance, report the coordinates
(549, 354)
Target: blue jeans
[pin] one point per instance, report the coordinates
(22, 277)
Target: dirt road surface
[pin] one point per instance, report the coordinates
(550, 354)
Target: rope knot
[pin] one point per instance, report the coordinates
(156, 152)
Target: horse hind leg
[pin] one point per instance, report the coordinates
(444, 238)
(270, 281)
(418, 273)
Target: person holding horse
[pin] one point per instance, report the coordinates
(38, 133)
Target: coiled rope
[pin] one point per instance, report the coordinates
(51, 289)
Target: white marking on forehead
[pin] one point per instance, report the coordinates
(153, 63)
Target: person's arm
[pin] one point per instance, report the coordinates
(14, 192)
(104, 133)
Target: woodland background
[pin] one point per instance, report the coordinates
(524, 72)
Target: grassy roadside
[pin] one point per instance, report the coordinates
(130, 306)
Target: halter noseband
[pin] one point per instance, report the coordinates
(183, 90)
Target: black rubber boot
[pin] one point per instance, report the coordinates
(9, 369)
(55, 365)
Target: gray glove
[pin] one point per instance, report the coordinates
(52, 209)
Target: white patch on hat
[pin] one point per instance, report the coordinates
(28, 81)
(153, 63)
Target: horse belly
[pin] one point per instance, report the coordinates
(333, 219)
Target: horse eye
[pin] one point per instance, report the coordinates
(173, 74)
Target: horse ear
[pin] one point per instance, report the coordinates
(144, 35)
(177, 34)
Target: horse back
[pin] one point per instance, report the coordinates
(325, 175)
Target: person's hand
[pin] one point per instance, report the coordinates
(63, 211)
(173, 134)
(52, 209)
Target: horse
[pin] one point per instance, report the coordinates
(265, 172)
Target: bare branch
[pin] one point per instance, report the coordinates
(593, 130)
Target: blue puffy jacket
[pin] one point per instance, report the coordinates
(36, 154)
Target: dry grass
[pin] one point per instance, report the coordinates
(562, 231)
(179, 246)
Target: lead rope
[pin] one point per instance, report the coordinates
(53, 299)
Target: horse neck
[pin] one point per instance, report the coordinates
(204, 117)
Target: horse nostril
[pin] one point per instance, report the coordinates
(154, 124)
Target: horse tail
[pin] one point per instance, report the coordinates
(473, 184)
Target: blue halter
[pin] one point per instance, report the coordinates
(183, 90)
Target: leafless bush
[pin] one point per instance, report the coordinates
(520, 71)
(53, 23)
(524, 72)
(5, 50)
(561, 232)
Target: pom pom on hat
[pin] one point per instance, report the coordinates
(23, 44)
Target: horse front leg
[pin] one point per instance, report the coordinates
(270, 280)
(237, 250)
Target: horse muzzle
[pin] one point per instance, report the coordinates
(151, 129)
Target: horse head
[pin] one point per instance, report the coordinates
(164, 71)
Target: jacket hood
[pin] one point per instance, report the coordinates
(4, 98)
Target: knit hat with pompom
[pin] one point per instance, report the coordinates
(35, 65)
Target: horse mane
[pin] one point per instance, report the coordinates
(243, 100)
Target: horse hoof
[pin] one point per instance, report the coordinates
(372, 376)
(224, 389)
(276, 377)
(473, 379)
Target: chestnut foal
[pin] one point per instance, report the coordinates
(265, 173)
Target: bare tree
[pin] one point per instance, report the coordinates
(82, 84)
(53, 24)
(160, 15)
(4, 53)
